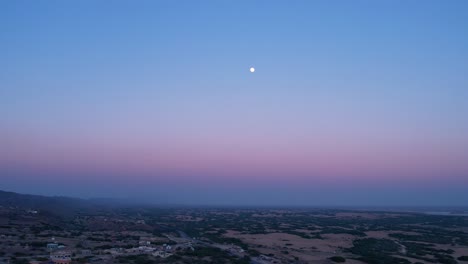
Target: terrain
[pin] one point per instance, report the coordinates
(34, 228)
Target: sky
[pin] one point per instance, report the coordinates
(351, 102)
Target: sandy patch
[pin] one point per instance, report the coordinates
(310, 250)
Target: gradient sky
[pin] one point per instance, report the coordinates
(351, 103)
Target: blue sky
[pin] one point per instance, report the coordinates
(365, 91)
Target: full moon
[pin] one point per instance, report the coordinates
(252, 69)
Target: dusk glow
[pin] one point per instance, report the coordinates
(350, 103)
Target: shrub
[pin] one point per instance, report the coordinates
(338, 259)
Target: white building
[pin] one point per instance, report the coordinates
(61, 257)
(161, 254)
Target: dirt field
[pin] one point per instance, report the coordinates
(310, 250)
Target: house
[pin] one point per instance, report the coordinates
(162, 254)
(61, 257)
(52, 246)
(144, 243)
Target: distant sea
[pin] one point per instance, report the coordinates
(448, 213)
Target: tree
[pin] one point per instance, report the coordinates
(338, 259)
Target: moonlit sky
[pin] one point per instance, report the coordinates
(351, 103)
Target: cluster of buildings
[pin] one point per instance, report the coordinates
(57, 257)
(60, 256)
(163, 251)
